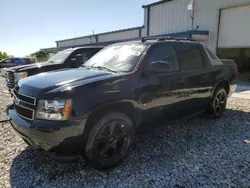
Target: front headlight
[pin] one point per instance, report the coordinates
(20, 75)
(53, 109)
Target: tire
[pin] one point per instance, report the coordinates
(218, 103)
(110, 141)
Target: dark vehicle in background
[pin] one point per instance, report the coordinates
(14, 61)
(95, 110)
(69, 58)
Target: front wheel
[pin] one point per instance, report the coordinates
(110, 141)
(218, 103)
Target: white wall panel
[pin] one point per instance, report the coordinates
(235, 27)
(207, 16)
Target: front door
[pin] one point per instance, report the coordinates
(158, 93)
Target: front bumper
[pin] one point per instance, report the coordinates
(63, 138)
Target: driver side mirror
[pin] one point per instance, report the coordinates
(159, 67)
(77, 61)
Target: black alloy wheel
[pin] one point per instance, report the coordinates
(110, 141)
(219, 102)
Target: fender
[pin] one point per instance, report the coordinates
(135, 113)
(220, 83)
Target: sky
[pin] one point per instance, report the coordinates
(29, 25)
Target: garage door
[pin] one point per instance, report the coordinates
(234, 31)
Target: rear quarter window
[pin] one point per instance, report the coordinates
(191, 59)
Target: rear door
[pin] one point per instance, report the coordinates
(193, 65)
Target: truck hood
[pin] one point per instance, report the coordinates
(58, 81)
(23, 68)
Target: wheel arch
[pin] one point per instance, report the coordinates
(222, 83)
(125, 107)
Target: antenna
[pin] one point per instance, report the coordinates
(75, 37)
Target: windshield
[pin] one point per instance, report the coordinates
(60, 56)
(119, 57)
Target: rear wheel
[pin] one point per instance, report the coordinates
(218, 103)
(110, 141)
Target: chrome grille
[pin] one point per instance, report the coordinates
(24, 105)
(25, 98)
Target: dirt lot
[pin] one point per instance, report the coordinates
(198, 152)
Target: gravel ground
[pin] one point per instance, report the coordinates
(198, 152)
(5, 99)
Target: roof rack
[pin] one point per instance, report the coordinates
(144, 39)
(187, 39)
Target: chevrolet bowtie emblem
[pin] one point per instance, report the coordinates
(17, 101)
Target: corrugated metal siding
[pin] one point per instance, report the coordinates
(85, 40)
(145, 17)
(64, 43)
(119, 35)
(173, 16)
(143, 32)
(169, 17)
(77, 41)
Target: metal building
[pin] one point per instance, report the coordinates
(227, 21)
(223, 25)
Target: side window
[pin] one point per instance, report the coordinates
(164, 52)
(191, 59)
(8, 60)
(86, 54)
(15, 60)
(95, 50)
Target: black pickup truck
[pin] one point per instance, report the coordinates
(14, 61)
(96, 109)
(69, 58)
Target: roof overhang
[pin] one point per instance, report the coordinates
(199, 35)
(155, 3)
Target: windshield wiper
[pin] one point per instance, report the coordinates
(88, 67)
(103, 68)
